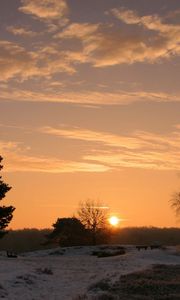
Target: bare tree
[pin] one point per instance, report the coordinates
(175, 203)
(93, 215)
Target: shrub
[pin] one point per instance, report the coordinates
(101, 254)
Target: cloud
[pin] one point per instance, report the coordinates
(11, 126)
(52, 60)
(50, 165)
(46, 9)
(78, 30)
(51, 27)
(85, 97)
(160, 153)
(114, 47)
(99, 45)
(102, 152)
(18, 159)
(93, 136)
(21, 31)
(84, 33)
(107, 45)
(8, 146)
(126, 15)
(163, 44)
(16, 61)
(151, 22)
(157, 161)
(138, 150)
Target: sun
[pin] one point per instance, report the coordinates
(114, 221)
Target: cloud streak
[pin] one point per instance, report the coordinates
(18, 159)
(94, 136)
(85, 97)
(102, 152)
(138, 150)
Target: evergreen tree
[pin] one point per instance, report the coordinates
(68, 232)
(6, 212)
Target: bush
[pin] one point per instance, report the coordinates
(101, 254)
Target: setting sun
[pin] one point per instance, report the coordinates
(100, 112)
(114, 221)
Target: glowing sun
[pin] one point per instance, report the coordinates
(114, 221)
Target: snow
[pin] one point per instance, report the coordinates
(51, 275)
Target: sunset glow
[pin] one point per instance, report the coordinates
(90, 108)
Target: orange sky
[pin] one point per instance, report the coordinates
(90, 108)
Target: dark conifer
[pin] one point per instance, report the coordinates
(68, 232)
(6, 212)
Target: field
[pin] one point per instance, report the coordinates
(78, 273)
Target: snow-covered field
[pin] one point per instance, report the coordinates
(50, 275)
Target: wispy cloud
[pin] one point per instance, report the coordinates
(142, 160)
(155, 151)
(18, 159)
(94, 136)
(21, 31)
(11, 126)
(102, 152)
(138, 150)
(85, 97)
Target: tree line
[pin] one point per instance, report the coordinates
(35, 239)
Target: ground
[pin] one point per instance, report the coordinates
(70, 273)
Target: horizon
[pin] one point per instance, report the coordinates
(90, 108)
(117, 228)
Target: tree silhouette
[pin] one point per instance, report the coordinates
(68, 232)
(6, 212)
(175, 203)
(93, 216)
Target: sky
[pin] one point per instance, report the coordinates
(90, 108)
